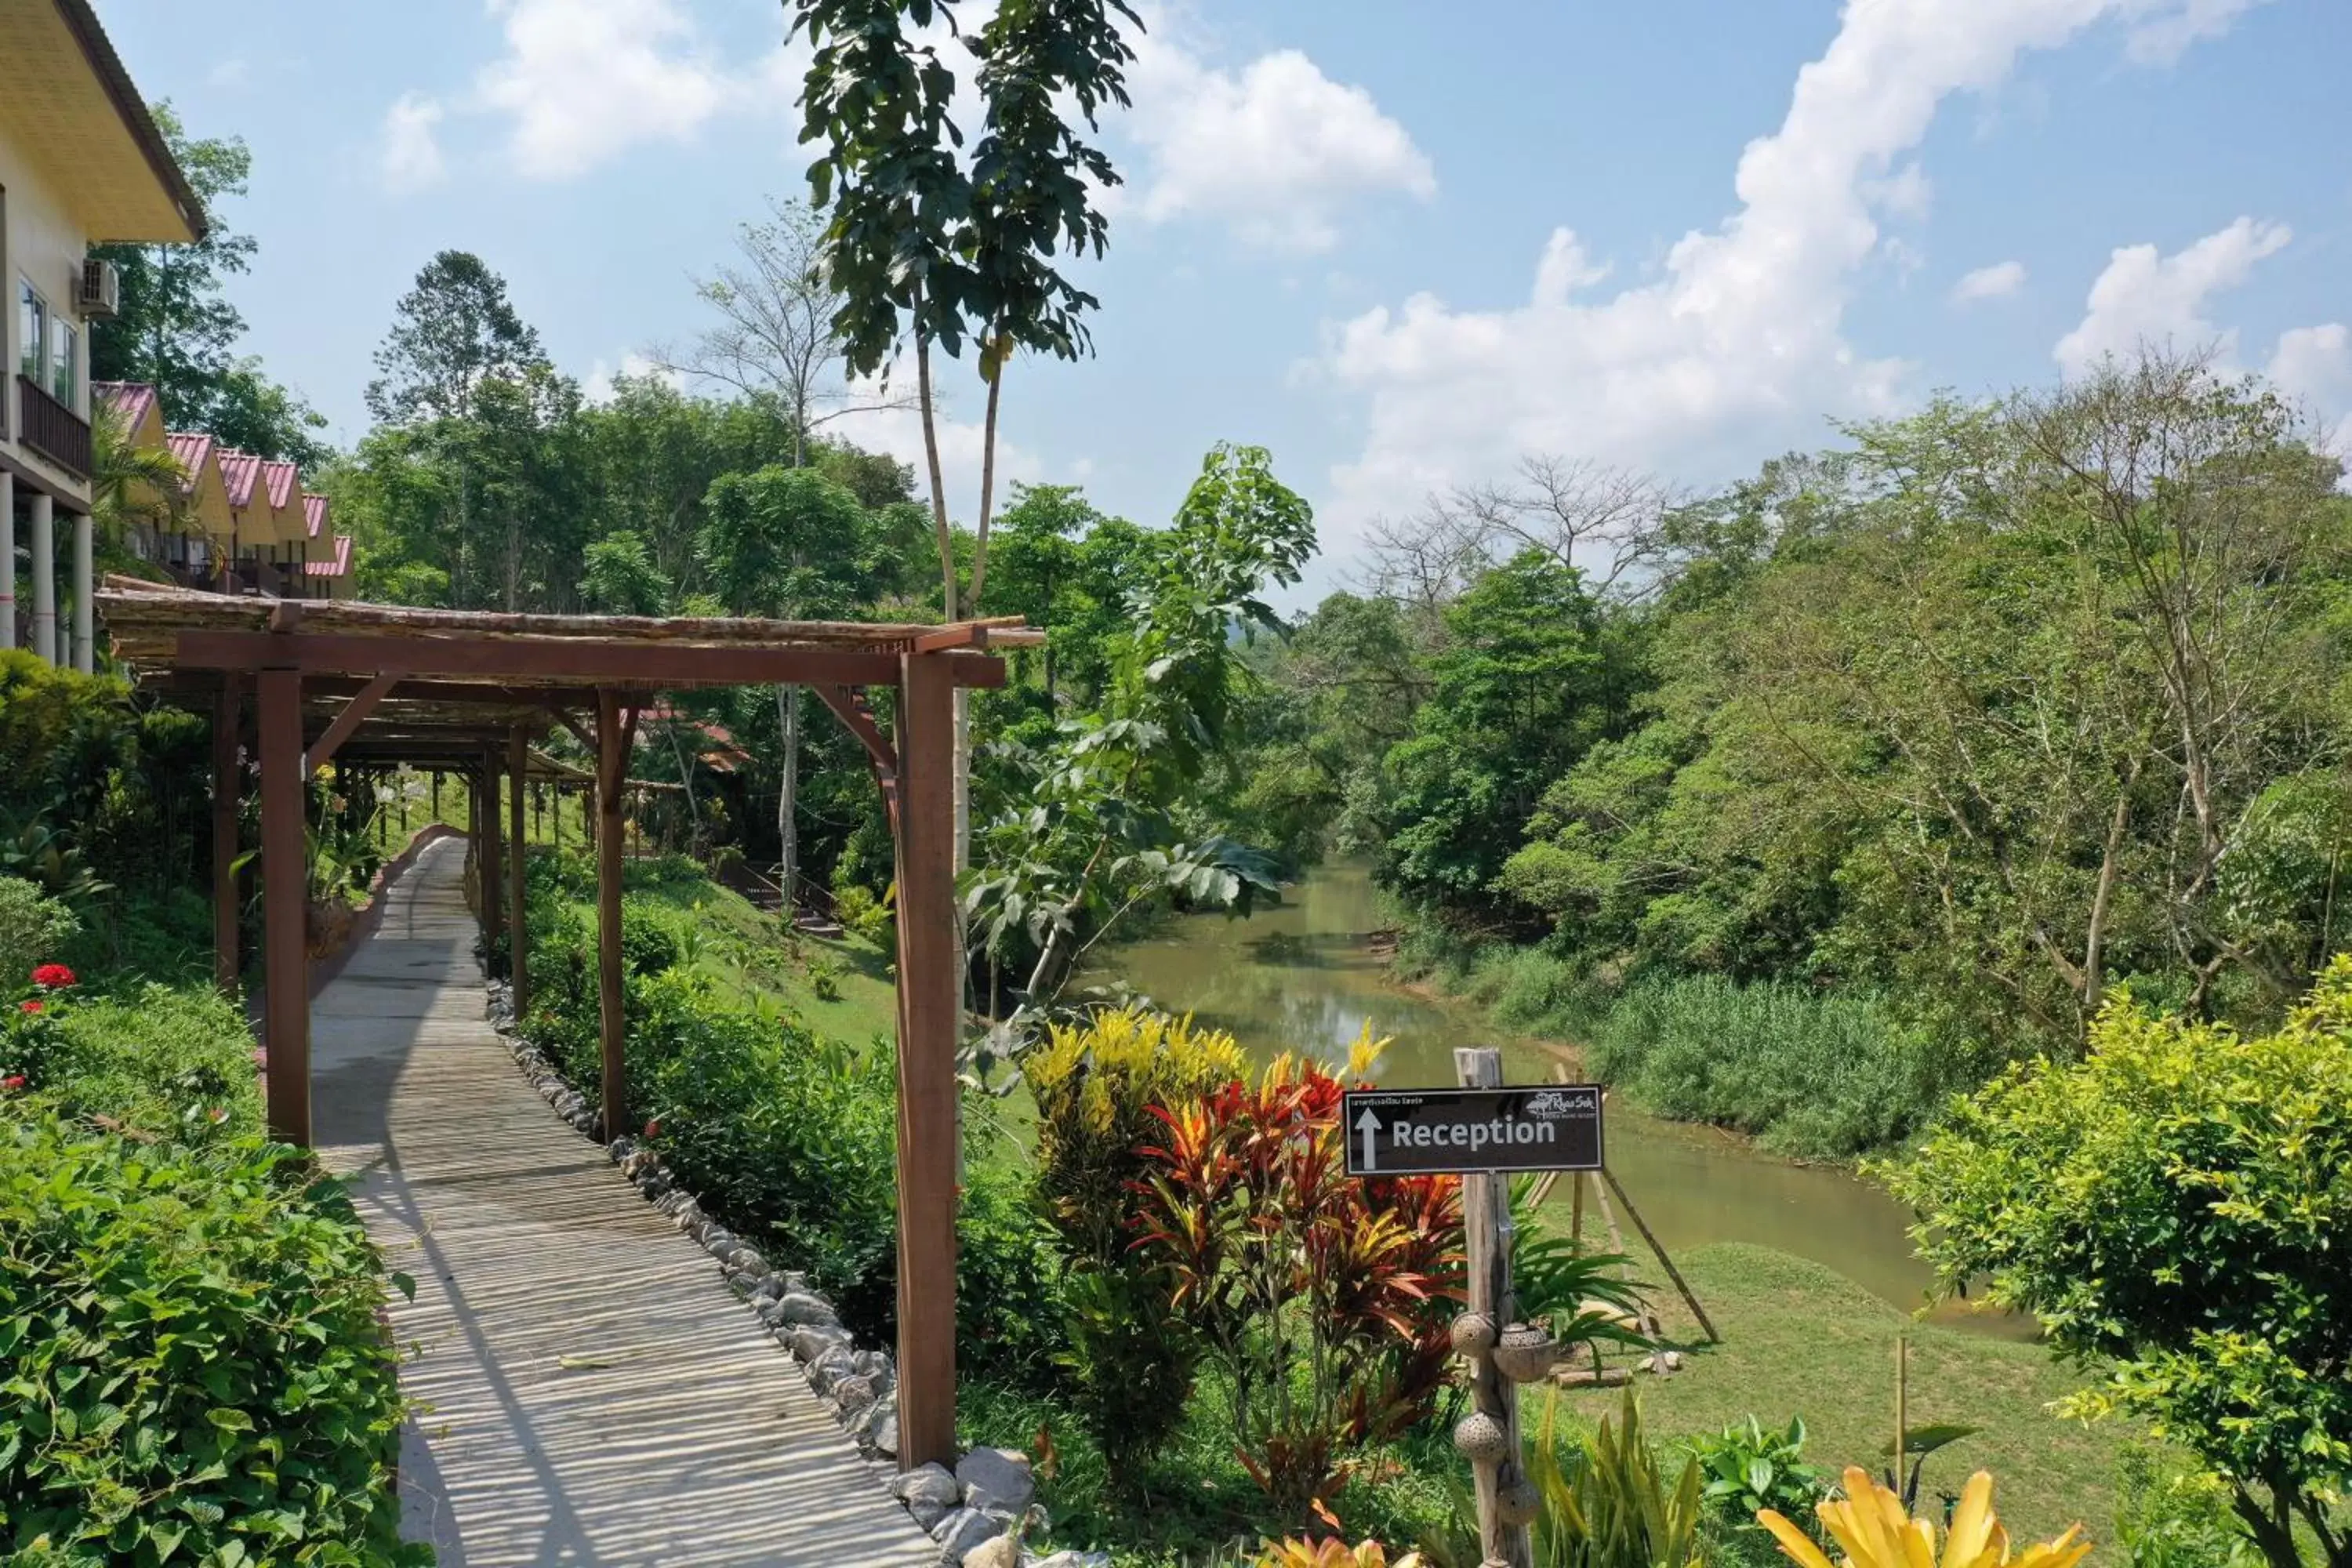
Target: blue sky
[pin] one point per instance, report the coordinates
(1401, 244)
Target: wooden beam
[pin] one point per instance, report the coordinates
(354, 713)
(849, 705)
(228, 778)
(930, 1013)
(494, 881)
(518, 923)
(612, 769)
(570, 661)
(285, 905)
(580, 733)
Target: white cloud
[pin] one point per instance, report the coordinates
(411, 157)
(233, 71)
(583, 79)
(2145, 298)
(1997, 281)
(2313, 365)
(2162, 37)
(1738, 346)
(1275, 149)
(599, 386)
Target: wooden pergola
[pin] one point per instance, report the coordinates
(470, 690)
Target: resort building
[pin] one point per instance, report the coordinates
(81, 163)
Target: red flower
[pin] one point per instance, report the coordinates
(53, 976)
(28, 1008)
(12, 1082)
(653, 1126)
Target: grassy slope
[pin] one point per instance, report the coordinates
(748, 954)
(1800, 1339)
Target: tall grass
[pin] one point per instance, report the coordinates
(1826, 1076)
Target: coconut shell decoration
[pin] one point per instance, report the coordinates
(1523, 1352)
(1474, 1333)
(1479, 1438)
(1518, 1502)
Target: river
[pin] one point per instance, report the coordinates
(1303, 977)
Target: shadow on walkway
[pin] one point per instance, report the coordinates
(594, 1394)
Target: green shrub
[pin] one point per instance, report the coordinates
(194, 1371)
(650, 941)
(1819, 1077)
(1129, 1368)
(33, 926)
(2170, 1514)
(161, 1061)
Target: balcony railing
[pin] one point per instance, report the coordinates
(50, 428)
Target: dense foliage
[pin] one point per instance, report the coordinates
(195, 1370)
(1935, 738)
(2171, 1207)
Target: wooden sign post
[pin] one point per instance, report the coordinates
(1486, 1134)
(1488, 1234)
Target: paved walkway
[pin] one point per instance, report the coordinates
(597, 1395)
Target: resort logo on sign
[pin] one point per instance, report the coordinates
(1423, 1131)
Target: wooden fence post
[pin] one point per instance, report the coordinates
(286, 907)
(930, 1009)
(228, 782)
(518, 924)
(611, 765)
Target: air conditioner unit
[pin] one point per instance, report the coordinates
(101, 294)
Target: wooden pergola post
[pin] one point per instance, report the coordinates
(227, 712)
(518, 923)
(611, 765)
(285, 906)
(494, 882)
(931, 1006)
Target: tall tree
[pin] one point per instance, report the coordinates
(774, 340)
(176, 330)
(924, 249)
(453, 334)
(451, 331)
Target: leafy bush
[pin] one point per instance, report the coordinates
(1321, 1299)
(2173, 1208)
(161, 1061)
(1130, 1362)
(1815, 1076)
(1746, 1468)
(194, 1369)
(650, 941)
(31, 922)
(1612, 1506)
(2173, 1515)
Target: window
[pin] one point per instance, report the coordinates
(65, 370)
(32, 329)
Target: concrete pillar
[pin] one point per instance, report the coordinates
(85, 599)
(7, 559)
(45, 581)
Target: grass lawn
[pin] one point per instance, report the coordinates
(1802, 1339)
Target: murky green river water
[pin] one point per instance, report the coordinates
(1303, 977)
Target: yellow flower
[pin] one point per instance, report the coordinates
(1328, 1553)
(1871, 1524)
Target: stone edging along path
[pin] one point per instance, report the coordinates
(979, 1512)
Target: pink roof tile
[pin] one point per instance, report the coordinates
(340, 566)
(314, 511)
(283, 481)
(192, 450)
(132, 399)
(238, 472)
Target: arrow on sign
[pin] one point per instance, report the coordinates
(1370, 1126)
